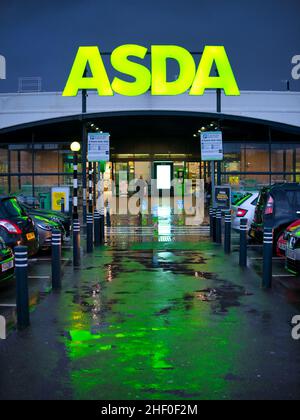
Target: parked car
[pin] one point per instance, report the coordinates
(278, 206)
(54, 216)
(7, 264)
(293, 252)
(244, 208)
(283, 238)
(45, 227)
(16, 227)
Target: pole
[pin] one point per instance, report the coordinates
(97, 228)
(56, 259)
(83, 161)
(243, 242)
(91, 203)
(227, 238)
(76, 223)
(89, 233)
(211, 222)
(267, 258)
(214, 214)
(21, 266)
(219, 226)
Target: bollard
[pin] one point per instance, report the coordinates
(89, 233)
(56, 259)
(267, 258)
(76, 243)
(97, 227)
(62, 205)
(21, 266)
(108, 220)
(211, 222)
(214, 224)
(227, 236)
(243, 242)
(102, 225)
(219, 226)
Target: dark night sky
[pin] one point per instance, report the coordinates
(40, 38)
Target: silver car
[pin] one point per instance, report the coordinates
(244, 208)
(45, 227)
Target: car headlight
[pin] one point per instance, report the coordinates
(44, 227)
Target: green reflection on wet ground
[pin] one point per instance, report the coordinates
(144, 325)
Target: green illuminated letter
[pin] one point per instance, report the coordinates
(142, 76)
(160, 54)
(225, 80)
(99, 79)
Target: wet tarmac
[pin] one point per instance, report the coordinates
(155, 319)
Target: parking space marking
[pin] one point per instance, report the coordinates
(284, 275)
(9, 305)
(39, 277)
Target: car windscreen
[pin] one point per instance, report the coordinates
(10, 208)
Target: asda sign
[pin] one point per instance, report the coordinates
(191, 78)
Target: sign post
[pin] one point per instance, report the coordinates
(212, 150)
(98, 147)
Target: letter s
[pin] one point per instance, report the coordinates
(296, 69)
(2, 68)
(296, 329)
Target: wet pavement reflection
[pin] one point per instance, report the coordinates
(158, 320)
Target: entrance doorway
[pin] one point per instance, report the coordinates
(163, 174)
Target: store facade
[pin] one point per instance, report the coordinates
(261, 133)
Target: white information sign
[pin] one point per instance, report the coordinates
(212, 145)
(98, 147)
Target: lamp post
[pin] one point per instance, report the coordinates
(75, 148)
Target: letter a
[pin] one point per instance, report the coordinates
(99, 80)
(225, 79)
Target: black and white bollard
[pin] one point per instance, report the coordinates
(267, 258)
(243, 242)
(76, 243)
(97, 228)
(22, 299)
(108, 219)
(102, 225)
(89, 233)
(214, 225)
(56, 259)
(211, 222)
(227, 235)
(219, 226)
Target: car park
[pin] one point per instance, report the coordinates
(278, 206)
(283, 238)
(7, 265)
(244, 207)
(16, 227)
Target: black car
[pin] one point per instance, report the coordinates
(16, 227)
(7, 264)
(278, 207)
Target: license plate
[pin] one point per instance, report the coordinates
(291, 254)
(7, 266)
(30, 236)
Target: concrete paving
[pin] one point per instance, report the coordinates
(156, 320)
